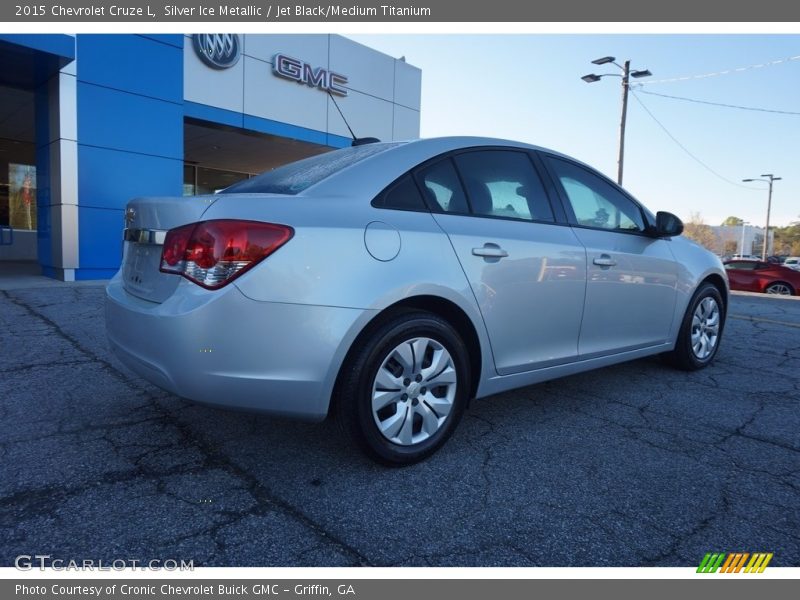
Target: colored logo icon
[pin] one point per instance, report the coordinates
(734, 562)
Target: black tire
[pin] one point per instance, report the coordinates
(353, 402)
(775, 284)
(684, 356)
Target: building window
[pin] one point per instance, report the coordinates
(20, 201)
(204, 180)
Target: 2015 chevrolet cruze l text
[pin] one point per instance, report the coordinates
(389, 283)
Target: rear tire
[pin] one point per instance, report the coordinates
(701, 330)
(402, 394)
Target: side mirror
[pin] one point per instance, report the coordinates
(667, 224)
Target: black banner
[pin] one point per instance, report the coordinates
(393, 589)
(253, 11)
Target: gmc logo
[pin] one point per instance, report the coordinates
(301, 72)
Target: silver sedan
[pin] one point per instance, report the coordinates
(389, 283)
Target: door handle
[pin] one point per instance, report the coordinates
(604, 260)
(490, 251)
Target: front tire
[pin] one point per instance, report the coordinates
(780, 288)
(701, 330)
(403, 392)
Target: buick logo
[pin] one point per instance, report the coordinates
(217, 50)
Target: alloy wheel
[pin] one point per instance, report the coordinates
(779, 288)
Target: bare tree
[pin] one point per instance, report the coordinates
(696, 229)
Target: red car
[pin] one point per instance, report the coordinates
(759, 276)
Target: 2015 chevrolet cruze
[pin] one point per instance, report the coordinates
(388, 283)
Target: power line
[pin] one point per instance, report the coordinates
(684, 148)
(766, 110)
(771, 63)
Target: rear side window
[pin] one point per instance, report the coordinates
(744, 265)
(403, 194)
(503, 183)
(442, 189)
(298, 176)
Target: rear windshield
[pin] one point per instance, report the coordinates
(297, 176)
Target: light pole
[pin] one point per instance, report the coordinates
(741, 248)
(626, 75)
(769, 206)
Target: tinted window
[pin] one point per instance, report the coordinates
(442, 188)
(503, 184)
(743, 265)
(595, 202)
(297, 176)
(403, 194)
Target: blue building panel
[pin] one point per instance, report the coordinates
(337, 141)
(109, 178)
(173, 39)
(130, 136)
(132, 63)
(213, 114)
(44, 234)
(100, 240)
(284, 129)
(44, 197)
(112, 119)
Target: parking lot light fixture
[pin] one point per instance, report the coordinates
(626, 75)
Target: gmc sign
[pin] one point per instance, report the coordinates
(302, 72)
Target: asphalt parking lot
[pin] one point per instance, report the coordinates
(632, 465)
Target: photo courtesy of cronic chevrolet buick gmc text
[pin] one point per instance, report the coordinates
(389, 283)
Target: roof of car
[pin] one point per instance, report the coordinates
(370, 175)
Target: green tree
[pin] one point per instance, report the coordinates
(732, 221)
(787, 239)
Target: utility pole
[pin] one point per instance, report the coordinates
(626, 72)
(769, 207)
(626, 75)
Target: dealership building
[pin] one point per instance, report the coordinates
(88, 122)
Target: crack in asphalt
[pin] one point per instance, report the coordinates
(42, 500)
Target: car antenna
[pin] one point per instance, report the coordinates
(356, 141)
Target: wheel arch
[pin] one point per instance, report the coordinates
(718, 282)
(441, 307)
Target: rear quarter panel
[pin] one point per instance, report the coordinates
(327, 263)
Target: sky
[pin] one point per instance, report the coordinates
(528, 87)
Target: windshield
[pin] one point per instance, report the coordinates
(297, 176)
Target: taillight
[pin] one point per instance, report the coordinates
(214, 253)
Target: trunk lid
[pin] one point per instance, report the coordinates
(146, 222)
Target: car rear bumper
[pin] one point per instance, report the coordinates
(223, 348)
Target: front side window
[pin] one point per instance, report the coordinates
(503, 183)
(594, 201)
